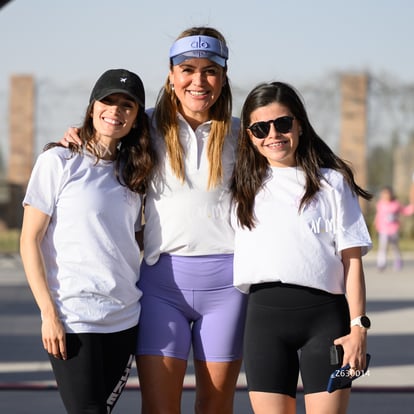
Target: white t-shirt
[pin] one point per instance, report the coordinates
(186, 218)
(302, 249)
(90, 252)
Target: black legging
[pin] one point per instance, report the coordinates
(93, 377)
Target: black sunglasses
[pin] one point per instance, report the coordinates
(261, 129)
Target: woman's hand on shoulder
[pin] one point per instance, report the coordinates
(71, 136)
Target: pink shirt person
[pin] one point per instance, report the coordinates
(387, 218)
(387, 223)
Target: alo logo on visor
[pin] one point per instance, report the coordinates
(200, 44)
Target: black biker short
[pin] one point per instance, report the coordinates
(289, 329)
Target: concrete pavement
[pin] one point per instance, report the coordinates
(25, 371)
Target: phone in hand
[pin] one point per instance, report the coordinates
(343, 376)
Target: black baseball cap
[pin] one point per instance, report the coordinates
(119, 81)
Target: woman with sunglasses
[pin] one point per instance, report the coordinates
(187, 273)
(300, 235)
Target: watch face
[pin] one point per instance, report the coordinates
(366, 323)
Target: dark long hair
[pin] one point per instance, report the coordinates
(312, 154)
(135, 158)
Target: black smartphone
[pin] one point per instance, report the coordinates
(336, 354)
(342, 377)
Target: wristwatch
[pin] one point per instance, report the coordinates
(363, 321)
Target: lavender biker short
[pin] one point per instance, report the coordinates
(191, 301)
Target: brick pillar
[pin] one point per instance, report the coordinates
(21, 143)
(21, 119)
(353, 146)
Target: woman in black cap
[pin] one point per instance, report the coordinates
(78, 244)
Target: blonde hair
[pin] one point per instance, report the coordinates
(166, 120)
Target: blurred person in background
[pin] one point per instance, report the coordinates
(387, 222)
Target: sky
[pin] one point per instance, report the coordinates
(67, 44)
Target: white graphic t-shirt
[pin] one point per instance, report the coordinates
(302, 248)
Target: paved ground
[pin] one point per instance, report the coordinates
(27, 385)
